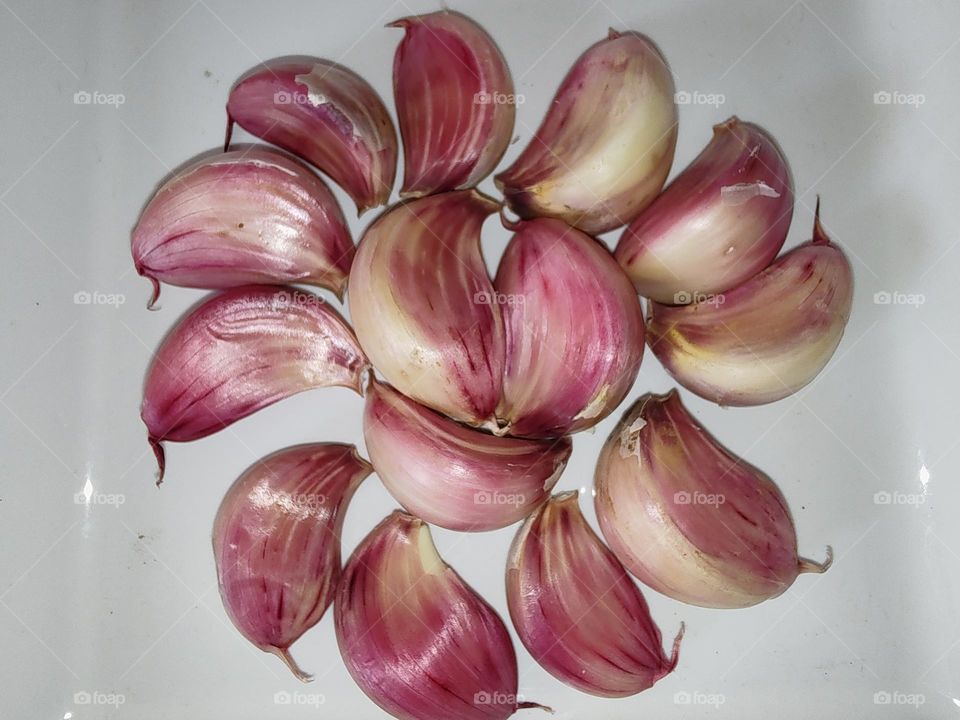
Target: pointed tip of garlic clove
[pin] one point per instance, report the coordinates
(284, 655)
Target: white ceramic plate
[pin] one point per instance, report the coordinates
(110, 608)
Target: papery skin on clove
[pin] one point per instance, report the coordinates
(327, 115)
(605, 147)
(766, 338)
(574, 330)
(687, 517)
(415, 637)
(240, 351)
(455, 102)
(246, 216)
(577, 610)
(422, 304)
(454, 476)
(276, 541)
(719, 223)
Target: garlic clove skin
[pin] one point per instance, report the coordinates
(766, 338)
(687, 517)
(455, 102)
(604, 149)
(246, 216)
(276, 542)
(574, 330)
(415, 637)
(421, 302)
(577, 610)
(740, 190)
(240, 351)
(327, 115)
(454, 476)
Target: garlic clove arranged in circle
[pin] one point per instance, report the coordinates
(276, 542)
(766, 338)
(454, 476)
(455, 102)
(415, 637)
(324, 113)
(604, 149)
(687, 517)
(246, 216)
(574, 330)
(240, 351)
(719, 223)
(577, 610)
(421, 302)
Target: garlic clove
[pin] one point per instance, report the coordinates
(415, 637)
(574, 330)
(576, 609)
(455, 102)
(327, 115)
(766, 338)
(605, 147)
(276, 542)
(719, 223)
(240, 351)
(454, 476)
(246, 216)
(687, 517)
(421, 302)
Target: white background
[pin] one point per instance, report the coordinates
(123, 600)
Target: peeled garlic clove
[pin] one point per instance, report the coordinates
(276, 541)
(577, 611)
(327, 115)
(455, 102)
(240, 351)
(421, 302)
(719, 223)
(574, 330)
(605, 148)
(689, 518)
(454, 476)
(246, 216)
(766, 338)
(415, 637)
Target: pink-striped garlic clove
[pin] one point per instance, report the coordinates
(420, 300)
(327, 115)
(454, 476)
(766, 338)
(719, 223)
(276, 542)
(455, 102)
(605, 147)
(577, 610)
(240, 351)
(246, 216)
(574, 330)
(415, 637)
(687, 517)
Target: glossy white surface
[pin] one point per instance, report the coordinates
(107, 585)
